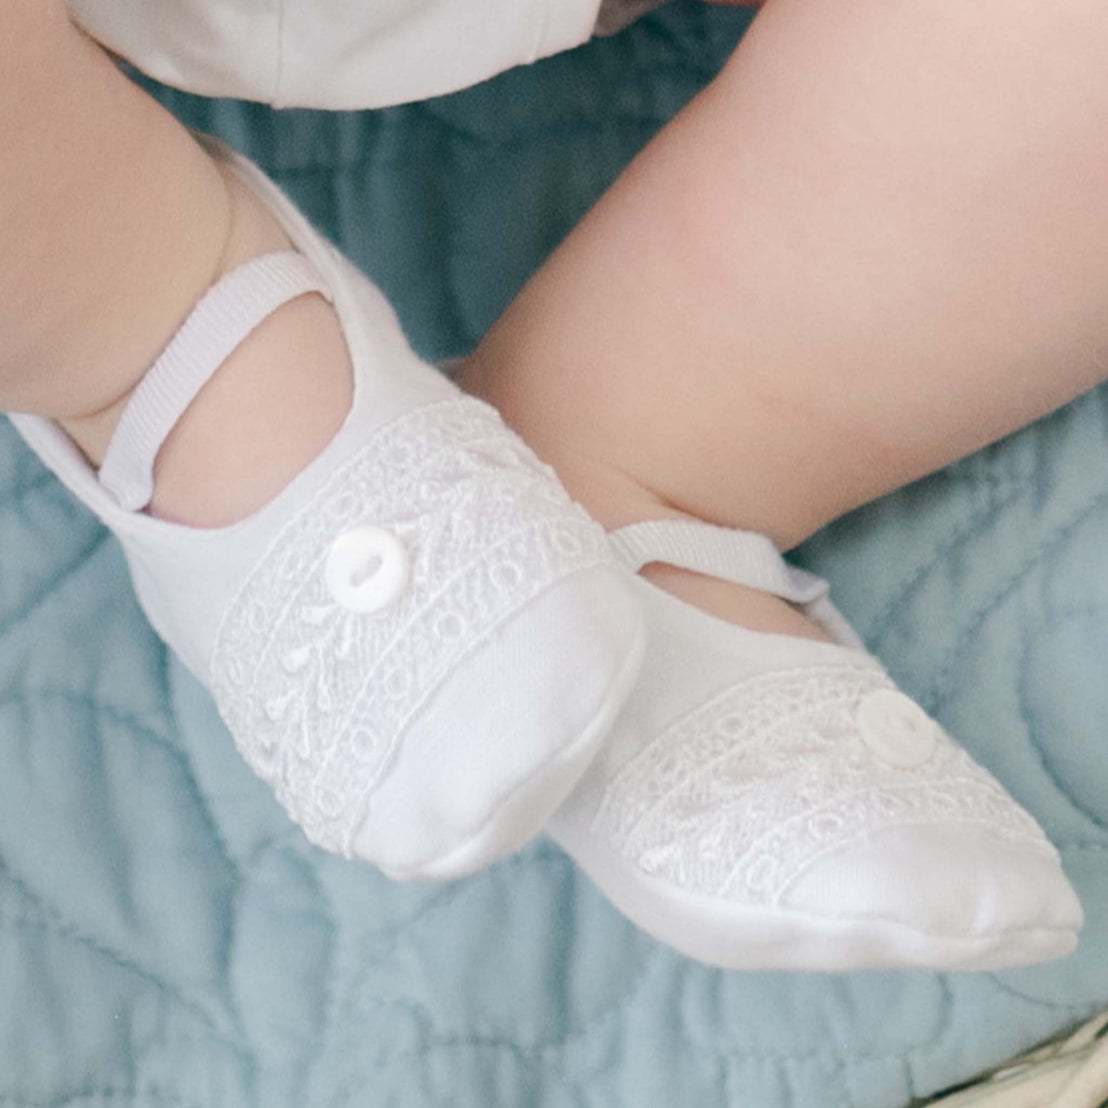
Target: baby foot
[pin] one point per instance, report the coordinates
(414, 635)
(771, 801)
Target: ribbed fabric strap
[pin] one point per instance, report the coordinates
(225, 315)
(742, 557)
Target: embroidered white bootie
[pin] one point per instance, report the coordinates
(418, 643)
(771, 802)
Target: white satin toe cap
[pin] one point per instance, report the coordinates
(989, 901)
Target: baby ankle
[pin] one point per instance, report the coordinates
(617, 500)
(250, 231)
(269, 407)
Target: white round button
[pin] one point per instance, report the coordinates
(897, 729)
(367, 569)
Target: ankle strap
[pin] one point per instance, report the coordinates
(741, 557)
(225, 315)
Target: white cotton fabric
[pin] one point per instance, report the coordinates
(337, 54)
(474, 699)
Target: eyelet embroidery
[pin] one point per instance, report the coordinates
(317, 696)
(744, 794)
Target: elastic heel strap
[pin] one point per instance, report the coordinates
(225, 315)
(741, 557)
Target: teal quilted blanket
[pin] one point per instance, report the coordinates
(169, 940)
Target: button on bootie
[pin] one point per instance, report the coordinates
(418, 643)
(772, 802)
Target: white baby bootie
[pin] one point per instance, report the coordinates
(420, 642)
(772, 802)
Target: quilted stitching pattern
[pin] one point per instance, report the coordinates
(169, 940)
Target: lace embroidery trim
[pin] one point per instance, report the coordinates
(740, 797)
(319, 697)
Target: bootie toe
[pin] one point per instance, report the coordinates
(771, 802)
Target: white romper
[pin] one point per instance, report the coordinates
(338, 54)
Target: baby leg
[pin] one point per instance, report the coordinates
(116, 221)
(416, 638)
(874, 244)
